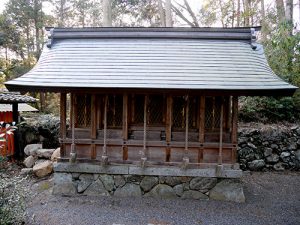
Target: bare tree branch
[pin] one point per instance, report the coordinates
(191, 13)
(178, 13)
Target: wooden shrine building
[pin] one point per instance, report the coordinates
(151, 101)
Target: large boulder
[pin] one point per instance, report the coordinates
(85, 180)
(43, 169)
(129, 190)
(32, 148)
(257, 164)
(44, 153)
(203, 184)
(55, 155)
(172, 181)
(63, 184)
(96, 189)
(191, 194)
(107, 181)
(29, 161)
(162, 191)
(228, 190)
(148, 182)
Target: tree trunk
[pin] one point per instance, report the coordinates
(161, 14)
(263, 18)
(107, 20)
(289, 11)
(238, 13)
(233, 12)
(247, 13)
(37, 27)
(280, 10)
(62, 13)
(169, 21)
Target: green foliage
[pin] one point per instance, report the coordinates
(268, 109)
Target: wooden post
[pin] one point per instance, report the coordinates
(143, 155)
(73, 154)
(169, 127)
(125, 126)
(93, 125)
(201, 127)
(15, 112)
(63, 116)
(186, 150)
(220, 157)
(234, 127)
(104, 153)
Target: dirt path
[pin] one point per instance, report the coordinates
(272, 198)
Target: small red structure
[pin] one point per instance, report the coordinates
(11, 103)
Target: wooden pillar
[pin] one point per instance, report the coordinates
(125, 126)
(220, 157)
(93, 125)
(73, 154)
(104, 153)
(185, 160)
(63, 128)
(143, 155)
(15, 112)
(201, 128)
(169, 126)
(234, 127)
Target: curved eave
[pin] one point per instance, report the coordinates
(289, 91)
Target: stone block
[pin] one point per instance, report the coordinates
(96, 189)
(228, 190)
(43, 169)
(32, 148)
(63, 184)
(162, 191)
(29, 161)
(129, 190)
(148, 183)
(203, 184)
(191, 194)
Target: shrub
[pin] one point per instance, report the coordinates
(268, 109)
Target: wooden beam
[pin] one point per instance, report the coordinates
(125, 126)
(169, 126)
(234, 127)
(104, 153)
(63, 117)
(201, 127)
(220, 157)
(185, 160)
(93, 125)
(143, 155)
(73, 154)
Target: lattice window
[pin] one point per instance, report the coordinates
(179, 112)
(114, 111)
(156, 109)
(212, 113)
(83, 110)
(139, 109)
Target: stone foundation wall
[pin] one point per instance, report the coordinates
(200, 188)
(269, 147)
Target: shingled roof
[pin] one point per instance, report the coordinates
(194, 59)
(15, 97)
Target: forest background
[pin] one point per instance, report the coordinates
(22, 36)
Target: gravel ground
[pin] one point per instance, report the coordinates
(271, 198)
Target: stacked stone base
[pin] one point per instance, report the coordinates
(199, 188)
